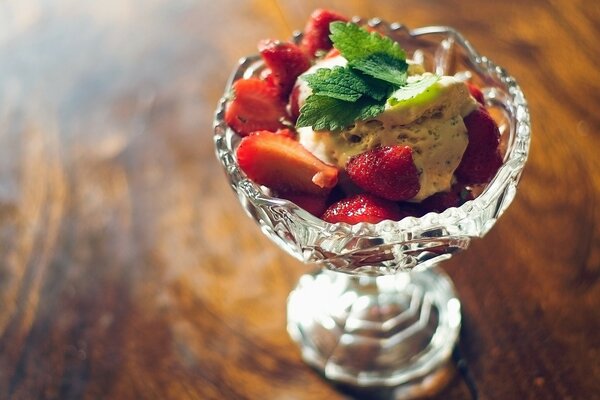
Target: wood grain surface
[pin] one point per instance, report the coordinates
(129, 271)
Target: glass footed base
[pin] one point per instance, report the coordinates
(377, 331)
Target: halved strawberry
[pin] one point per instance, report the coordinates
(286, 132)
(281, 163)
(256, 105)
(476, 93)
(316, 32)
(362, 207)
(332, 53)
(286, 62)
(481, 159)
(387, 172)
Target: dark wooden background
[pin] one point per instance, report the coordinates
(129, 271)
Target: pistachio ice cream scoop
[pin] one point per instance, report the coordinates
(431, 123)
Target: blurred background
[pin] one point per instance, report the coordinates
(129, 270)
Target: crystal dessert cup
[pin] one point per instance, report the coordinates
(379, 311)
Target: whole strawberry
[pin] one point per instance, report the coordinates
(481, 159)
(388, 172)
(444, 200)
(362, 207)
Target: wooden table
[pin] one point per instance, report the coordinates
(127, 267)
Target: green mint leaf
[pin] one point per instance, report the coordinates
(415, 92)
(343, 83)
(378, 89)
(356, 43)
(331, 114)
(339, 82)
(375, 55)
(383, 66)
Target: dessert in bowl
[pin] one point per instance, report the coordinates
(378, 311)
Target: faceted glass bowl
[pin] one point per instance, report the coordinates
(389, 246)
(379, 312)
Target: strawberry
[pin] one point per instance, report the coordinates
(295, 103)
(410, 209)
(316, 32)
(286, 61)
(286, 132)
(256, 105)
(332, 53)
(476, 93)
(315, 205)
(443, 200)
(387, 172)
(481, 159)
(362, 207)
(281, 163)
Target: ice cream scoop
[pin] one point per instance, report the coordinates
(431, 123)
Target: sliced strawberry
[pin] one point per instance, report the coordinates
(281, 163)
(476, 93)
(332, 53)
(387, 172)
(316, 32)
(316, 205)
(362, 208)
(286, 62)
(286, 132)
(481, 159)
(256, 106)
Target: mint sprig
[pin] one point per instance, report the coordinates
(341, 96)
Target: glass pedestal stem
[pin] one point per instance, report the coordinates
(376, 331)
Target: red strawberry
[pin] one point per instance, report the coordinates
(315, 205)
(476, 93)
(443, 200)
(256, 105)
(410, 209)
(387, 172)
(362, 208)
(294, 103)
(481, 159)
(286, 61)
(332, 53)
(316, 32)
(286, 132)
(281, 163)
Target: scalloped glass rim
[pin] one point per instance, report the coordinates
(406, 243)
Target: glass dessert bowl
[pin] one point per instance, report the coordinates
(379, 311)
